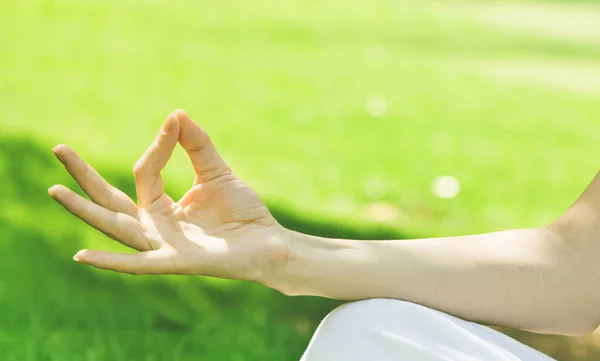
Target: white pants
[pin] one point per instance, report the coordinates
(392, 330)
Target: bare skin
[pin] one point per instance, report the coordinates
(220, 227)
(540, 279)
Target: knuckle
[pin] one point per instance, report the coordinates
(200, 142)
(160, 140)
(204, 136)
(138, 168)
(111, 197)
(87, 172)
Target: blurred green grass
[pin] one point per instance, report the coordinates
(489, 93)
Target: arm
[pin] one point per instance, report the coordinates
(543, 280)
(535, 279)
(528, 279)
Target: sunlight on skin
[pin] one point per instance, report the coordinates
(220, 227)
(532, 279)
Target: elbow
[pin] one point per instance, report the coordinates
(579, 329)
(577, 332)
(574, 304)
(563, 328)
(576, 323)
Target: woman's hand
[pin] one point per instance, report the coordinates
(219, 228)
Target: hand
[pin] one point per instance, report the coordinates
(219, 228)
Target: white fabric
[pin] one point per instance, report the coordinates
(392, 330)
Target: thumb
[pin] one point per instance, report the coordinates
(207, 162)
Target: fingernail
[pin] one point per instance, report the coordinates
(170, 123)
(52, 190)
(56, 151)
(77, 257)
(179, 111)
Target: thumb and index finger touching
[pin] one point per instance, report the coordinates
(148, 181)
(207, 163)
(178, 127)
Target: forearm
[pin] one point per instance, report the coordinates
(528, 279)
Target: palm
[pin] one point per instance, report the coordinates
(212, 230)
(220, 227)
(223, 203)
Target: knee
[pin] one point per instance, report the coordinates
(352, 329)
(371, 309)
(367, 314)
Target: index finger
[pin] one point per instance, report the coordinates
(148, 181)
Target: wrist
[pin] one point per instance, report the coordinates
(274, 260)
(287, 255)
(312, 265)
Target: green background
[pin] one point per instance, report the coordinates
(503, 96)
